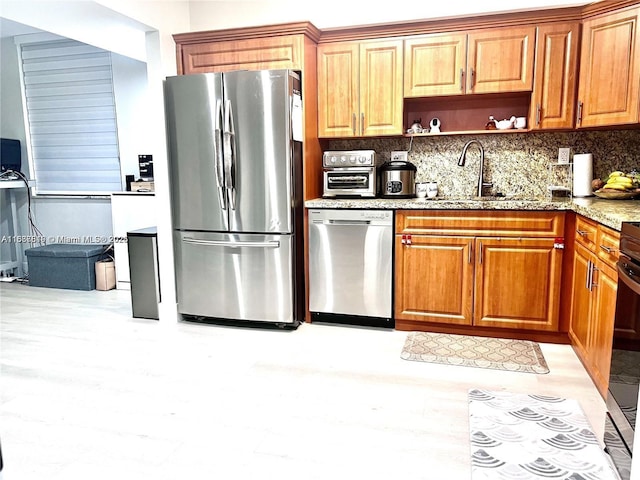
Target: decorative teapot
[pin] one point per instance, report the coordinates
(506, 124)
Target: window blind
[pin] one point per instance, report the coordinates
(72, 117)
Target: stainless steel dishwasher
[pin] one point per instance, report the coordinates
(350, 266)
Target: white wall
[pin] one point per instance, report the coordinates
(73, 216)
(133, 111)
(11, 126)
(135, 29)
(212, 15)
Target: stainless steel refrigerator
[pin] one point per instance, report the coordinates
(235, 161)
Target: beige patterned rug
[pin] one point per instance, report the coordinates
(470, 351)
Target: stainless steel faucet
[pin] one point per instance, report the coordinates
(461, 160)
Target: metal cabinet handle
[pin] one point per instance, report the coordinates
(538, 114)
(579, 120)
(362, 123)
(593, 270)
(353, 122)
(472, 78)
(480, 253)
(471, 252)
(583, 233)
(609, 250)
(462, 79)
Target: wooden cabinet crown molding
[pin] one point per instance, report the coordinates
(473, 22)
(246, 33)
(444, 25)
(606, 6)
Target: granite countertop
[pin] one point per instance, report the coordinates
(607, 212)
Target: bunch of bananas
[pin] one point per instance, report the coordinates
(620, 182)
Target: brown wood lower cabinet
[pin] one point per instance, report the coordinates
(434, 279)
(517, 283)
(593, 301)
(468, 276)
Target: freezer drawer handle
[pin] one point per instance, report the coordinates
(218, 243)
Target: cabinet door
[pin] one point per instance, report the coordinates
(381, 104)
(581, 300)
(434, 65)
(605, 288)
(254, 54)
(556, 72)
(501, 60)
(610, 70)
(434, 279)
(338, 89)
(517, 283)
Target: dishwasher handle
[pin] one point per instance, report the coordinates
(346, 222)
(342, 222)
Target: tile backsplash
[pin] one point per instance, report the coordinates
(516, 163)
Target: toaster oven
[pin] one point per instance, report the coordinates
(349, 174)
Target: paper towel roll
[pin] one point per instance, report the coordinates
(582, 174)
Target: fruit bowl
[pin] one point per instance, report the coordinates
(620, 195)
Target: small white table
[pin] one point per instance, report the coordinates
(129, 211)
(17, 253)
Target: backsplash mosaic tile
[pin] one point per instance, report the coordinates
(516, 163)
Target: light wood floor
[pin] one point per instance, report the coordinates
(88, 392)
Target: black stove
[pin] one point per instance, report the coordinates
(624, 377)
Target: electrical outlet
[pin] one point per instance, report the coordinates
(399, 156)
(563, 155)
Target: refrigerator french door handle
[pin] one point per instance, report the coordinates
(219, 158)
(229, 154)
(219, 243)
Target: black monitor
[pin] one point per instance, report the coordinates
(10, 155)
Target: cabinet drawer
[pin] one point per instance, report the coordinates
(608, 242)
(586, 233)
(481, 223)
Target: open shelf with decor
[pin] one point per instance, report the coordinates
(466, 114)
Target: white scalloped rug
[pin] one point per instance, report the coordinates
(533, 437)
(471, 351)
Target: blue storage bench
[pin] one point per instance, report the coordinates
(62, 265)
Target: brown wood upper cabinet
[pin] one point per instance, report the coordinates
(486, 269)
(608, 92)
(553, 98)
(285, 51)
(487, 61)
(360, 88)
